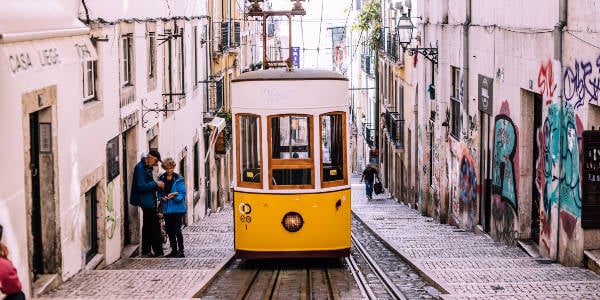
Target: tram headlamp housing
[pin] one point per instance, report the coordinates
(292, 221)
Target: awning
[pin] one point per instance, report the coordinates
(26, 57)
(28, 20)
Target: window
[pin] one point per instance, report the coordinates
(151, 55)
(290, 151)
(89, 80)
(249, 150)
(333, 148)
(126, 60)
(195, 55)
(182, 167)
(196, 176)
(455, 103)
(181, 61)
(219, 91)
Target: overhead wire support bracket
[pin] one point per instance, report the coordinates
(157, 110)
(256, 11)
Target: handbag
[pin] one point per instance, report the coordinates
(377, 187)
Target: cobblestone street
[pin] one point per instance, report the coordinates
(468, 265)
(463, 264)
(208, 245)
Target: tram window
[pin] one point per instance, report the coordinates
(291, 176)
(290, 137)
(290, 151)
(248, 127)
(332, 146)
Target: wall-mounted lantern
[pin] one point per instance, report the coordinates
(404, 32)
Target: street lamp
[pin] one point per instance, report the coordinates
(404, 32)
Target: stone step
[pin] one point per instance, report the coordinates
(592, 260)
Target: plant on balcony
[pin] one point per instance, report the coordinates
(369, 20)
(226, 132)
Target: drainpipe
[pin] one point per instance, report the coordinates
(376, 102)
(465, 78)
(558, 56)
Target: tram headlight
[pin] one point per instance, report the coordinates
(292, 221)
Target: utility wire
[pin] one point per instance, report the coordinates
(320, 28)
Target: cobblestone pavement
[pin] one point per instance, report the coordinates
(463, 264)
(208, 246)
(468, 265)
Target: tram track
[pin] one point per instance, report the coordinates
(363, 282)
(304, 279)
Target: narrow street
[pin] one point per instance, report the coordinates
(461, 264)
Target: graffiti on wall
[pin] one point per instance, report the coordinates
(503, 167)
(468, 188)
(504, 221)
(546, 83)
(110, 211)
(560, 141)
(580, 86)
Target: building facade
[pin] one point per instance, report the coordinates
(507, 121)
(89, 88)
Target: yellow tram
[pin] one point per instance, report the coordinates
(291, 190)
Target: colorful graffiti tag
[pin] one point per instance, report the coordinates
(503, 170)
(468, 188)
(579, 83)
(559, 167)
(546, 83)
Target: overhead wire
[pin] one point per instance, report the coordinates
(320, 28)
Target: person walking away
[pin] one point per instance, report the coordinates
(9, 281)
(174, 207)
(368, 176)
(143, 194)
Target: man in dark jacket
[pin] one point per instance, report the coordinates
(368, 176)
(143, 194)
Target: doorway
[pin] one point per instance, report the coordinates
(485, 199)
(535, 193)
(42, 221)
(131, 224)
(207, 182)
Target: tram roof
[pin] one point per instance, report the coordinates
(295, 74)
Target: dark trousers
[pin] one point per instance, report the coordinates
(151, 237)
(173, 224)
(16, 296)
(369, 188)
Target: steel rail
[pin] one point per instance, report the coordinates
(387, 282)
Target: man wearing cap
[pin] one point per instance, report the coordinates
(143, 194)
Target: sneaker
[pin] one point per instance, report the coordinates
(172, 254)
(150, 255)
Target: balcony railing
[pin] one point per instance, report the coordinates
(388, 44)
(368, 133)
(225, 35)
(394, 125)
(366, 64)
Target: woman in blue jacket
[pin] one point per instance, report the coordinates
(174, 207)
